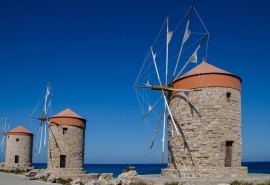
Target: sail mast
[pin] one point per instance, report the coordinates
(167, 50)
(168, 38)
(186, 35)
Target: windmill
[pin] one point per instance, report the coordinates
(46, 98)
(154, 83)
(3, 132)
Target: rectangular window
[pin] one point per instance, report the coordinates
(64, 131)
(62, 161)
(228, 95)
(17, 139)
(16, 159)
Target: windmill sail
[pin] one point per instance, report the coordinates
(43, 124)
(161, 65)
(3, 132)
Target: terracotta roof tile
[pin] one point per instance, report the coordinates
(68, 113)
(204, 68)
(19, 129)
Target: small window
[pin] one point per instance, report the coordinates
(65, 131)
(228, 95)
(17, 139)
(16, 159)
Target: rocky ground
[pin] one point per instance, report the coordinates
(126, 178)
(131, 176)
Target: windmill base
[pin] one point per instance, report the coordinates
(15, 167)
(205, 172)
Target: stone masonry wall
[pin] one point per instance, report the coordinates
(19, 145)
(206, 120)
(70, 144)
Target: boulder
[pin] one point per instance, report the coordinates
(75, 182)
(106, 176)
(127, 177)
(52, 179)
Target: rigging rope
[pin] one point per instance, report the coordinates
(180, 22)
(164, 23)
(144, 62)
(206, 52)
(38, 102)
(200, 20)
(148, 127)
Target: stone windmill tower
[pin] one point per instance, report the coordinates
(19, 148)
(209, 120)
(66, 143)
(199, 111)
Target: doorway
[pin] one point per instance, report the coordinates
(62, 161)
(228, 154)
(16, 159)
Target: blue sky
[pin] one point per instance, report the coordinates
(92, 51)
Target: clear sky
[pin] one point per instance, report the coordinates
(91, 52)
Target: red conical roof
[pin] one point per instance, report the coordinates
(67, 117)
(204, 68)
(20, 130)
(68, 113)
(207, 75)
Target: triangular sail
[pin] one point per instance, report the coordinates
(169, 36)
(186, 35)
(194, 57)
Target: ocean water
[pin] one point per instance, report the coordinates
(116, 169)
(257, 167)
(143, 169)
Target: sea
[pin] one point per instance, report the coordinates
(144, 169)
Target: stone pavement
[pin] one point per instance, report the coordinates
(14, 179)
(161, 180)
